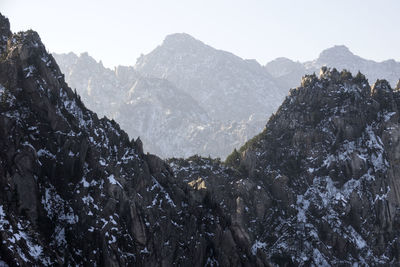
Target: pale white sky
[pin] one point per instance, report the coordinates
(118, 31)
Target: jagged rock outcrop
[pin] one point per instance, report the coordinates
(328, 162)
(75, 190)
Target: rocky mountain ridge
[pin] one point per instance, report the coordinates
(329, 163)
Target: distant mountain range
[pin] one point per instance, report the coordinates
(183, 98)
(186, 98)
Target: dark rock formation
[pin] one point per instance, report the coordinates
(328, 162)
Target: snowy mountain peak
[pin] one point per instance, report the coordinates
(181, 42)
(336, 51)
(180, 37)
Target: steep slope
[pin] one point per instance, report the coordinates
(163, 116)
(329, 163)
(319, 186)
(74, 190)
(154, 109)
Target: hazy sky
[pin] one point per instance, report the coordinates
(117, 31)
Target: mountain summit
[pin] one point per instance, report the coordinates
(221, 82)
(182, 41)
(338, 51)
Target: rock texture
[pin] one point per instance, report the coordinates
(328, 162)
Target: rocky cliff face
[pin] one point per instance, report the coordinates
(328, 162)
(74, 190)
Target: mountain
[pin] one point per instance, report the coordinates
(329, 164)
(339, 57)
(197, 100)
(230, 98)
(165, 117)
(75, 190)
(320, 184)
(318, 187)
(100, 88)
(342, 58)
(228, 87)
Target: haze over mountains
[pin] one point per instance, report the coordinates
(196, 99)
(205, 102)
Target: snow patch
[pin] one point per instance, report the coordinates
(3, 221)
(45, 152)
(257, 245)
(112, 180)
(388, 115)
(29, 71)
